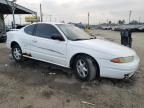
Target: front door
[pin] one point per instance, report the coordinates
(43, 47)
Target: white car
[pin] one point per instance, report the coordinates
(68, 46)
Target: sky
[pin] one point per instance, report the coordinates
(76, 10)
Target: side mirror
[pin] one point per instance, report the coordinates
(57, 37)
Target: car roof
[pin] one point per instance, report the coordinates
(53, 23)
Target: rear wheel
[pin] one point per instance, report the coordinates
(17, 53)
(85, 69)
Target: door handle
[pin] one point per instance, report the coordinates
(34, 41)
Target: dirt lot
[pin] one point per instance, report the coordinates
(34, 84)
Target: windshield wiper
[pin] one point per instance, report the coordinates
(84, 39)
(79, 39)
(93, 38)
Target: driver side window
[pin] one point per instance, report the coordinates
(46, 31)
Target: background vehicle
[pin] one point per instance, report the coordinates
(3, 36)
(141, 29)
(70, 47)
(2, 31)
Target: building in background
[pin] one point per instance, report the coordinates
(6, 8)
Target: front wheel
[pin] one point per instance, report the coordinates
(17, 53)
(85, 69)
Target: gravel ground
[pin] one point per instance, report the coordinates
(34, 84)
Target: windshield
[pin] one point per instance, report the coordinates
(74, 33)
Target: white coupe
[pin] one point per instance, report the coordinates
(68, 46)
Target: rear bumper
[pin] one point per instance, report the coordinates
(119, 71)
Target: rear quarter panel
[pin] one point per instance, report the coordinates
(14, 36)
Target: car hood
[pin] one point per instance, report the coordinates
(107, 47)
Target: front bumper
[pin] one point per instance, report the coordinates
(118, 70)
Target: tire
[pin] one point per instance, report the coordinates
(84, 68)
(17, 53)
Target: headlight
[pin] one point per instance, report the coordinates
(123, 59)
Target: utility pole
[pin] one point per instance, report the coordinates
(88, 18)
(41, 14)
(107, 22)
(130, 13)
(139, 20)
(20, 19)
(50, 18)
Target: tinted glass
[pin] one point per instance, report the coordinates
(29, 29)
(46, 31)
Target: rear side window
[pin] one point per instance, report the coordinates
(29, 29)
(46, 30)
